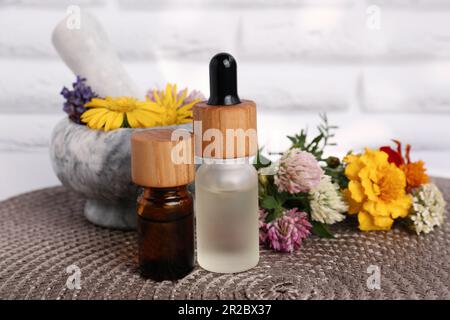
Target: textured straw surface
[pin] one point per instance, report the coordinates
(43, 232)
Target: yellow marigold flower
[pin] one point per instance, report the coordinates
(376, 190)
(177, 106)
(113, 113)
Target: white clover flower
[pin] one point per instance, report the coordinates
(326, 201)
(428, 209)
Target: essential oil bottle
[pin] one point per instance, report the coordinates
(226, 183)
(164, 206)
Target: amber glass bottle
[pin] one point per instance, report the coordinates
(165, 231)
(164, 206)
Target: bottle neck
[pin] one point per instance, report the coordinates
(165, 193)
(233, 161)
(164, 204)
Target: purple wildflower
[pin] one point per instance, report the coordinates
(286, 233)
(262, 226)
(76, 99)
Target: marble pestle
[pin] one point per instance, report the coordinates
(88, 53)
(90, 162)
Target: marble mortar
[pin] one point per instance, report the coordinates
(97, 165)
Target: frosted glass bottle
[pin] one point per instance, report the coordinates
(226, 184)
(226, 207)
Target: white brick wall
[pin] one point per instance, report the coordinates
(296, 58)
(290, 51)
(407, 87)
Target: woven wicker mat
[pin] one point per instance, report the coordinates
(44, 232)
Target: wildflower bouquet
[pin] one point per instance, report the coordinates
(384, 186)
(303, 193)
(160, 108)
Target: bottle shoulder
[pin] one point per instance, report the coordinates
(164, 207)
(226, 177)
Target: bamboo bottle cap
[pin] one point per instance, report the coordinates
(235, 124)
(225, 125)
(162, 158)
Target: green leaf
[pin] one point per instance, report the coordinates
(269, 203)
(282, 197)
(275, 214)
(317, 145)
(297, 196)
(292, 139)
(321, 230)
(317, 139)
(338, 175)
(261, 161)
(299, 200)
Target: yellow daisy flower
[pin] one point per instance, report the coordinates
(177, 106)
(376, 190)
(113, 113)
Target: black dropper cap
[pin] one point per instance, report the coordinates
(223, 80)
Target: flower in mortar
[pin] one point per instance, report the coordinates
(428, 208)
(177, 105)
(77, 98)
(113, 113)
(415, 171)
(326, 202)
(298, 171)
(287, 233)
(376, 190)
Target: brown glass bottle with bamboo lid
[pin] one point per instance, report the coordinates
(162, 164)
(226, 184)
